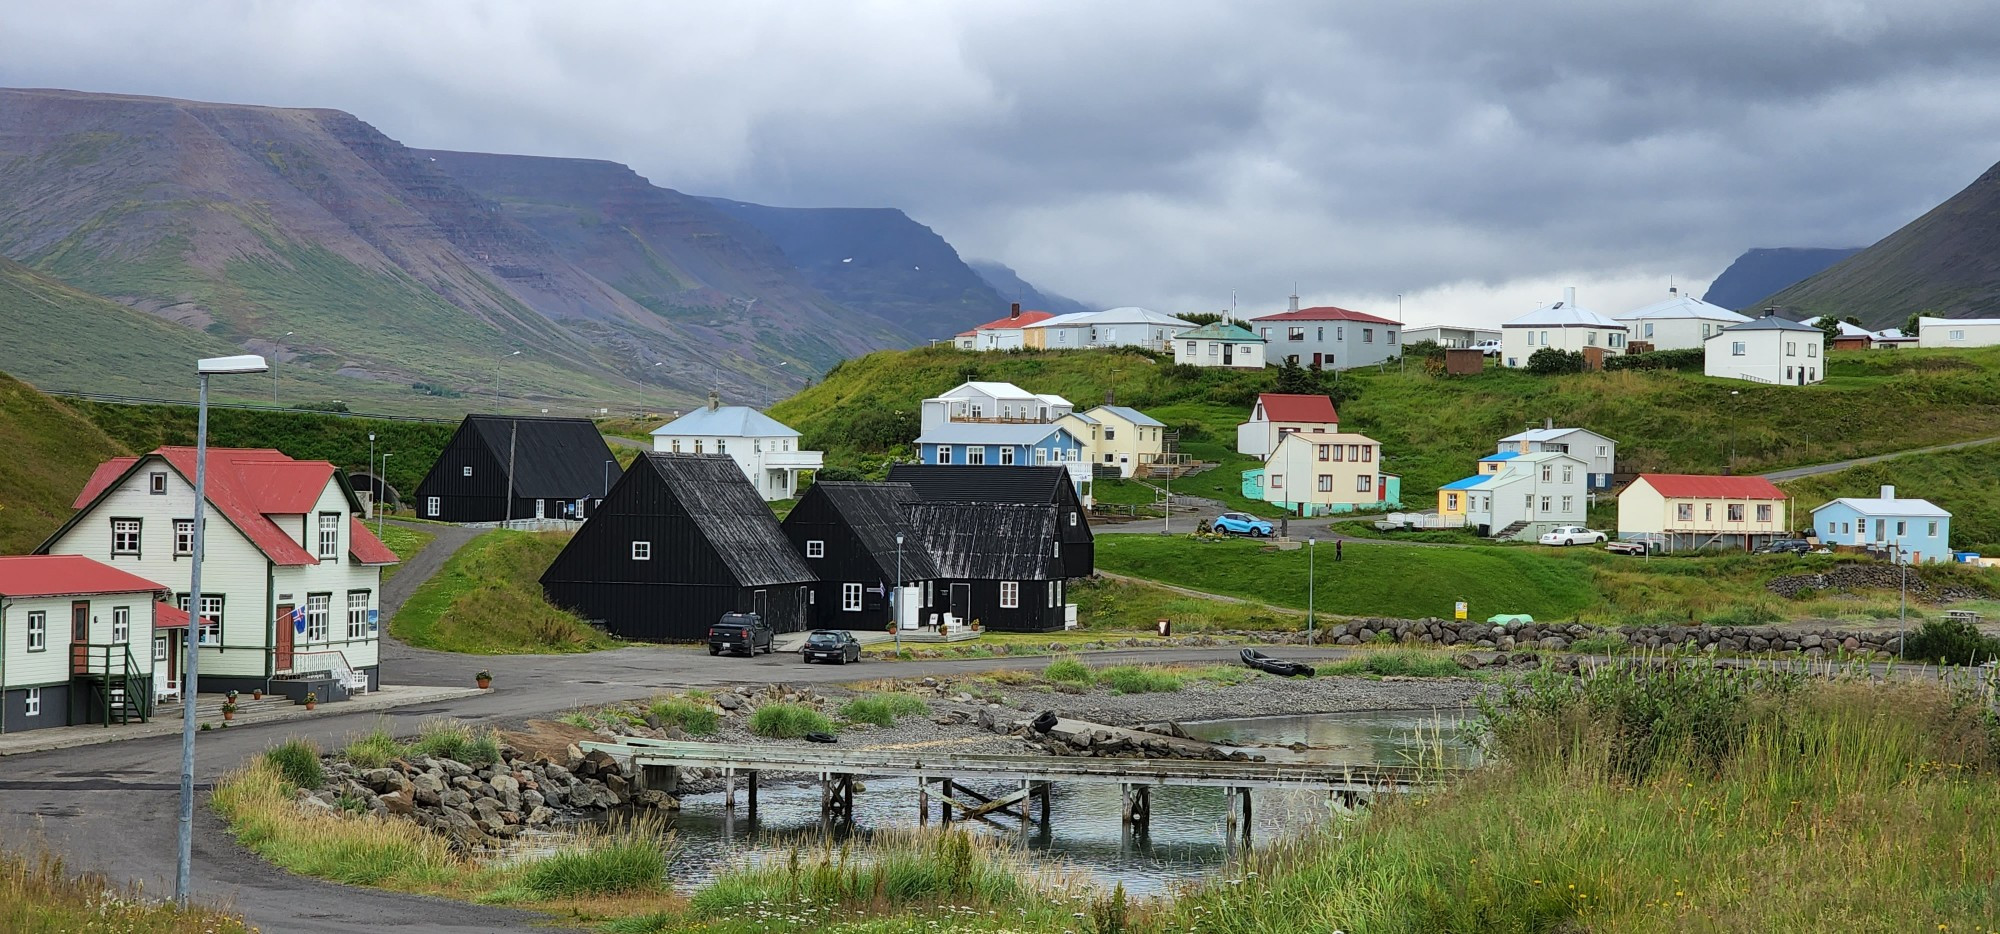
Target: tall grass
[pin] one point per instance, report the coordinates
(1407, 663)
(692, 717)
(626, 859)
(1137, 679)
(372, 750)
(39, 893)
(447, 739)
(895, 870)
(788, 721)
(298, 761)
(1068, 669)
(883, 709)
(1656, 797)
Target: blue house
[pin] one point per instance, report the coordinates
(998, 443)
(1912, 530)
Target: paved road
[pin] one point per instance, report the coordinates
(1793, 473)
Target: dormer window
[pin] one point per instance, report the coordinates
(156, 483)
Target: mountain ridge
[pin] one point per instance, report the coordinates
(1763, 271)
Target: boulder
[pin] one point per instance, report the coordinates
(397, 803)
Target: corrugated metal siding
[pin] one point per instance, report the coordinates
(735, 520)
(988, 541)
(478, 498)
(554, 458)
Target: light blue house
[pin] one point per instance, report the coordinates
(978, 443)
(1914, 530)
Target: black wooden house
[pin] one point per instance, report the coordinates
(847, 532)
(1000, 564)
(994, 484)
(681, 540)
(501, 467)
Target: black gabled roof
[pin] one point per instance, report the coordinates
(989, 541)
(877, 512)
(993, 483)
(736, 521)
(554, 458)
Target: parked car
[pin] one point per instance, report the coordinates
(1778, 546)
(1571, 535)
(740, 632)
(1489, 348)
(1237, 523)
(1626, 548)
(831, 645)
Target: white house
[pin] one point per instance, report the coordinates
(1957, 332)
(292, 579)
(1130, 326)
(1564, 325)
(983, 422)
(1598, 453)
(1521, 496)
(1767, 350)
(1221, 344)
(1889, 338)
(766, 449)
(1449, 335)
(1679, 322)
(1000, 333)
(1327, 337)
(1276, 414)
(82, 642)
(980, 401)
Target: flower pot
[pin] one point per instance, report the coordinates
(229, 715)
(484, 683)
(312, 705)
(257, 694)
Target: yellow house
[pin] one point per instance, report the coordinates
(1086, 429)
(1119, 436)
(1688, 511)
(1323, 473)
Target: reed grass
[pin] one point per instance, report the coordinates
(1068, 669)
(1138, 679)
(882, 709)
(692, 716)
(372, 750)
(448, 739)
(1405, 663)
(788, 721)
(297, 759)
(40, 893)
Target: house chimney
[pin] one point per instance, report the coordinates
(1015, 311)
(1569, 297)
(1673, 290)
(1111, 397)
(1549, 423)
(1888, 492)
(1295, 301)
(714, 400)
(1771, 312)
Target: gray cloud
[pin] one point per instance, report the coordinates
(1468, 154)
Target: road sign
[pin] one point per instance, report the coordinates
(1458, 610)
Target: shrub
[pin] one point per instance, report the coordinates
(446, 739)
(788, 721)
(882, 709)
(692, 717)
(297, 761)
(372, 751)
(1951, 642)
(1689, 358)
(1132, 679)
(1068, 669)
(1549, 361)
(629, 860)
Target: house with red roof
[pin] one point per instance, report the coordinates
(1276, 414)
(1327, 337)
(1682, 512)
(81, 642)
(1005, 333)
(291, 579)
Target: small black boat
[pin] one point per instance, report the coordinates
(1279, 667)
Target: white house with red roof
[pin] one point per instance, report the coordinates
(1680, 512)
(1327, 337)
(291, 581)
(1276, 414)
(1000, 333)
(82, 642)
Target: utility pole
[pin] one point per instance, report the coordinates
(383, 484)
(1312, 564)
(374, 482)
(896, 599)
(513, 429)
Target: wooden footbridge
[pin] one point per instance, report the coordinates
(656, 764)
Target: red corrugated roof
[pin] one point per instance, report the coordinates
(1011, 321)
(1704, 486)
(106, 474)
(1325, 313)
(364, 547)
(63, 575)
(1285, 407)
(169, 616)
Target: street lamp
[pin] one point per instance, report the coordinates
(274, 378)
(374, 482)
(245, 363)
(1730, 468)
(1312, 564)
(496, 376)
(382, 483)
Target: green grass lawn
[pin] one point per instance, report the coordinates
(1962, 481)
(487, 600)
(405, 542)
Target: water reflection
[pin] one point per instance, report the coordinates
(1374, 737)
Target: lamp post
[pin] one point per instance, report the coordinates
(1903, 604)
(382, 483)
(274, 379)
(1730, 468)
(246, 363)
(496, 376)
(896, 599)
(1312, 564)
(374, 482)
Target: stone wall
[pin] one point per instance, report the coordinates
(1560, 636)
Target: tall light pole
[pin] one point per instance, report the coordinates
(246, 363)
(382, 483)
(1903, 606)
(374, 482)
(1312, 564)
(896, 600)
(496, 376)
(1730, 468)
(274, 378)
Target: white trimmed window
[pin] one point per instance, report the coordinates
(124, 536)
(433, 506)
(160, 648)
(1010, 595)
(183, 537)
(31, 702)
(815, 548)
(944, 453)
(210, 632)
(318, 607)
(156, 483)
(1736, 348)
(329, 535)
(357, 614)
(1684, 512)
(1547, 503)
(850, 598)
(1007, 455)
(1763, 512)
(121, 625)
(1569, 503)
(642, 551)
(465, 471)
(975, 455)
(38, 632)
(1934, 527)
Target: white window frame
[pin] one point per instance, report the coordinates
(156, 483)
(850, 598)
(38, 631)
(944, 454)
(120, 529)
(815, 548)
(31, 702)
(207, 632)
(1007, 455)
(642, 551)
(1934, 528)
(975, 455)
(357, 614)
(160, 647)
(1763, 512)
(121, 625)
(329, 536)
(1569, 503)
(183, 538)
(1010, 595)
(319, 617)
(1955, 335)
(1736, 348)
(465, 471)
(433, 506)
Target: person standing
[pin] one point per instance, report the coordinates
(1336, 551)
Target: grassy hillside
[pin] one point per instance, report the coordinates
(1433, 428)
(50, 453)
(413, 446)
(1963, 481)
(487, 600)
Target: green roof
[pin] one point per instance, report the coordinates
(1220, 331)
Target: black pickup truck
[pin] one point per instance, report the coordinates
(739, 632)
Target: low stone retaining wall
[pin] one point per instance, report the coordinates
(1560, 636)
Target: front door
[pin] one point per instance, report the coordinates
(961, 603)
(760, 605)
(281, 653)
(1228, 354)
(539, 508)
(79, 637)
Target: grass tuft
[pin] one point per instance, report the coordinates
(375, 749)
(882, 709)
(447, 739)
(297, 760)
(39, 893)
(1406, 663)
(1069, 670)
(692, 717)
(1135, 679)
(628, 859)
(788, 721)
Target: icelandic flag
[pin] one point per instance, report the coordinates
(298, 619)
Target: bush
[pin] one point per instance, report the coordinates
(882, 709)
(297, 760)
(1132, 679)
(1951, 642)
(1691, 359)
(1068, 670)
(692, 717)
(628, 861)
(445, 739)
(372, 751)
(1549, 361)
(788, 721)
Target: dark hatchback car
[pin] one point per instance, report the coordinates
(739, 632)
(831, 645)
(1779, 546)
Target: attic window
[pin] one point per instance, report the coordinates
(642, 551)
(816, 549)
(465, 471)
(1072, 517)
(157, 483)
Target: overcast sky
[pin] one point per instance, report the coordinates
(1475, 156)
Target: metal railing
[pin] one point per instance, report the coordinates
(331, 662)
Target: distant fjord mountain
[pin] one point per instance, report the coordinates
(1767, 270)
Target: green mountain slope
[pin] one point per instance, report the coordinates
(50, 453)
(1962, 481)
(60, 337)
(1944, 263)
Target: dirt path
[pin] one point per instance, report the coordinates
(423, 565)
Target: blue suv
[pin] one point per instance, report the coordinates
(1237, 523)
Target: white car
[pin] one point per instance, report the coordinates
(1489, 348)
(1571, 535)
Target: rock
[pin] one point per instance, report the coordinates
(1466, 660)
(397, 803)
(654, 798)
(730, 702)
(425, 788)
(539, 817)
(620, 790)
(598, 762)
(384, 780)
(454, 798)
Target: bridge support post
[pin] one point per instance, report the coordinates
(1229, 814)
(729, 789)
(1027, 794)
(753, 795)
(836, 801)
(1138, 810)
(923, 801)
(1245, 794)
(1045, 806)
(944, 802)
